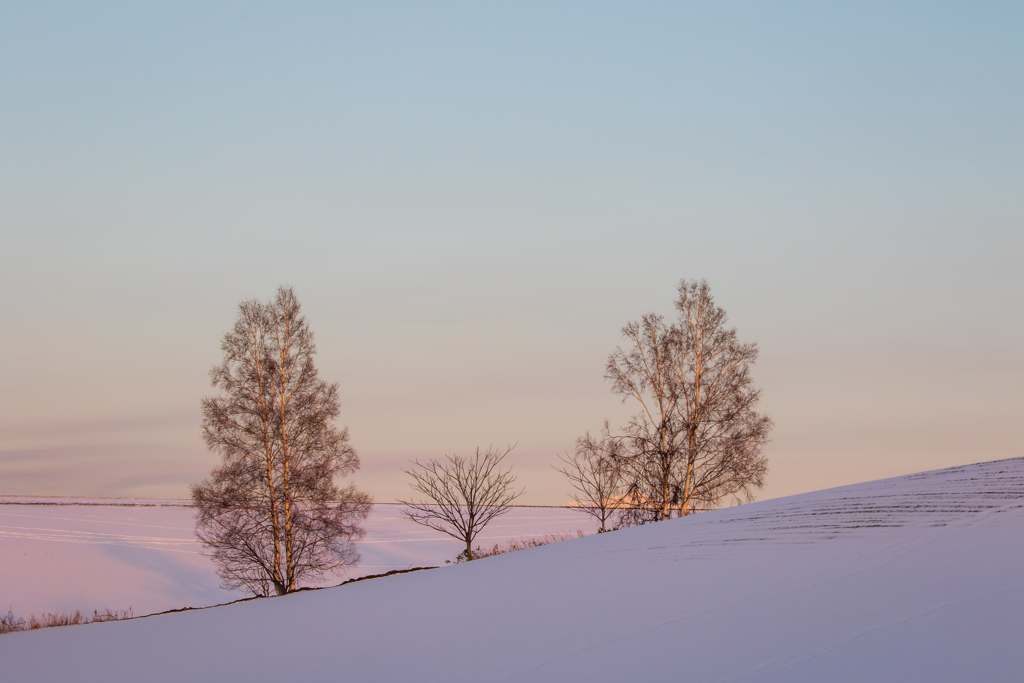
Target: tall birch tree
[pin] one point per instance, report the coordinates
(273, 512)
(697, 438)
(714, 403)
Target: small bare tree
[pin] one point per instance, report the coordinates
(595, 472)
(463, 494)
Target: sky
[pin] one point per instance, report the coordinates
(470, 201)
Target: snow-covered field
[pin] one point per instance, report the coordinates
(916, 578)
(62, 555)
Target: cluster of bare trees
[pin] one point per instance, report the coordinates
(273, 512)
(696, 439)
(695, 442)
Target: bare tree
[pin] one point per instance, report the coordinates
(595, 472)
(643, 372)
(463, 494)
(715, 401)
(697, 439)
(273, 514)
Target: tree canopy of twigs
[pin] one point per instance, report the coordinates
(595, 471)
(272, 513)
(697, 439)
(462, 494)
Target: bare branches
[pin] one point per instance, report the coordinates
(595, 471)
(643, 373)
(464, 494)
(724, 435)
(272, 513)
(697, 438)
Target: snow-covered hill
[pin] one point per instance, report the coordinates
(916, 578)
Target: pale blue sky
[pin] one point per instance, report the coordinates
(471, 199)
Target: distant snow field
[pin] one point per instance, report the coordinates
(63, 554)
(916, 578)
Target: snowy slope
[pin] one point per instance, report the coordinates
(916, 578)
(62, 555)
